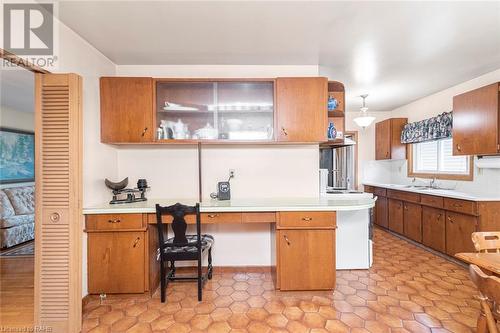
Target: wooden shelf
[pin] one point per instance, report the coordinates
(336, 113)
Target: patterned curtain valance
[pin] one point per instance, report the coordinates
(434, 128)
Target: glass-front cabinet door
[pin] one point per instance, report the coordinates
(229, 110)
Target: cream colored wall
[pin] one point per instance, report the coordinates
(17, 119)
(366, 149)
(486, 181)
(99, 160)
(261, 171)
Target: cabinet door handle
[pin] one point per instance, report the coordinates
(386, 154)
(439, 217)
(136, 241)
(307, 219)
(450, 219)
(114, 221)
(144, 131)
(284, 131)
(212, 215)
(287, 240)
(457, 205)
(406, 207)
(459, 148)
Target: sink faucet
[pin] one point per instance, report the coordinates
(433, 183)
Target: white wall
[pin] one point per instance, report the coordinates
(486, 181)
(261, 171)
(367, 167)
(99, 161)
(17, 119)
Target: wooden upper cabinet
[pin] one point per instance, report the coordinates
(302, 109)
(388, 144)
(476, 122)
(126, 109)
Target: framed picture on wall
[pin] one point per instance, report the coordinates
(17, 156)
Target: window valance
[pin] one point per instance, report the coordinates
(434, 128)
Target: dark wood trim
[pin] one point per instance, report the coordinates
(199, 173)
(443, 176)
(20, 62)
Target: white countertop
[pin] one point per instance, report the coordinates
(323, 203)
(438, 192)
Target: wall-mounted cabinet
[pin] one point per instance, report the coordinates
(476, 122)
(388, 144)
(147, 110)
(126, 104)
(301, 109)
(215, 110)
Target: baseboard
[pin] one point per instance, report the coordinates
(231, 269)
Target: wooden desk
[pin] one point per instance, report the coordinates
(122, 248)
(487, 261)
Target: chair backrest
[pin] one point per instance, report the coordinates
(179, 225)
(489, 287)
(486, 241)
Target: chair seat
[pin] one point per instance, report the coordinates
(206, 242)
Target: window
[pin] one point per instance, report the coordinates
(435, 159)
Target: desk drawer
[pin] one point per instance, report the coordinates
(110, 222)
(402, 195)
(190, 219)
(306, 220)
(258, 217)
(220, 217)
(431, 200)
(460, 206)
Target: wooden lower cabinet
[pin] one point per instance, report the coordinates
(381, 212)
(434, 228)
(116, 262)
(459, 228)
(412, 219)
(306, 259)
(396, 216)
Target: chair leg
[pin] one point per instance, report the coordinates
(210, 263)
(200, 280)
(482, 325)
(172, 268)
(162, 281)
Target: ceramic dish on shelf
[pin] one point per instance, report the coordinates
(177, 107)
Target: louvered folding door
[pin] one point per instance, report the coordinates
(58, 219)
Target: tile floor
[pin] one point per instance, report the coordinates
(407, 290)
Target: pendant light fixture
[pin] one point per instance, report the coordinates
(364, 120)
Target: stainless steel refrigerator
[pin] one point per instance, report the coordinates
(341, 166)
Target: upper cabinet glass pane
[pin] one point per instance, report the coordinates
(223, 110)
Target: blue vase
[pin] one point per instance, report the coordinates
(332, 132)
(332, 103)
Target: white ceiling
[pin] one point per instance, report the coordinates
(17, 90)
(396, 51)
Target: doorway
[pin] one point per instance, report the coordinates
(17, 200)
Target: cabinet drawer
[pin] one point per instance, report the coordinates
(306, 220)
(379, 191)
(461, 206)
(108, 222)
(405, 196)
(190, 219)
(258, 217)
(220, 217)
(431, 200)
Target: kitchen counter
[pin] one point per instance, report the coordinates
(343, 203)
(438, 192)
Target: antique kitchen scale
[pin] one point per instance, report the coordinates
(121, 194)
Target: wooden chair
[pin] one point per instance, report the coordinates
(182, 247)
(486, 241)
(489, 289)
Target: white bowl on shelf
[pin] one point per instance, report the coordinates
(234, 124)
